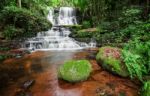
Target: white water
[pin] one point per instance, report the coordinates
(57, 38)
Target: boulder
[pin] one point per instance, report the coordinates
(110, 59)
(75, 70)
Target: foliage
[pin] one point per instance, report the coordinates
(4, 48)
(110, 58)
(128, 26)
(4, 3)
(145, 89)
(10, 32)
(134, 65)
(20, 22)
(80, 34)
(137, 58)
(86, 24)
(75, 70)
(80, 4)
(84, 35)
(4, 56)
(142, 49)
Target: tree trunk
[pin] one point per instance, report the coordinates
(19, 3)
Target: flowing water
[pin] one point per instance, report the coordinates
(57, 38)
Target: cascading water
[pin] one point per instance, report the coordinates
(57, 38)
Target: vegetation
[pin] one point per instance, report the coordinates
(3, 57)
(133, 64)
(145, 89)
(20, 21)
(137, 58)
(75, 70)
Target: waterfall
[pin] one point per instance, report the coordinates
(67, 16)
(57, 38)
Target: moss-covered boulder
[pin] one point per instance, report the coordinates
(146, 89)
(75, 70)
(110, 59)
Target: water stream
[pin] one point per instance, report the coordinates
(57, 38)
(42, 66)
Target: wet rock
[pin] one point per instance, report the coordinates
(28, 84)
(23, 93)
(102, 92)
(20, 51)
(75, 70)
(111, 85)
(110, 59)
(91, 56)
(122, 93)
(18, 56)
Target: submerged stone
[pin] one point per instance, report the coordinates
(110, 59)
(28, 84)
(74, 71)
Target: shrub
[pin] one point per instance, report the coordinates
(4, 56)
(146, 89)
(19, 18)
(142, 49)
(75, 70)
(86, 24)
(133, 64)
(137, 58)
(10, 32)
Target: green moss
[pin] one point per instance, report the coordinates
(109, 58)
(146, 89)
(4, 56)
(75, 70)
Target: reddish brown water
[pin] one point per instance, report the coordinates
(42, 67)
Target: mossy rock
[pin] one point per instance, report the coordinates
(75, 70)
(110, 59)
(146, 89)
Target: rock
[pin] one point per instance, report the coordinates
(1, 36)
(28, 84)
(18, 56)
(110, 59)
(89, 30)
(23, 93)
(75, 70)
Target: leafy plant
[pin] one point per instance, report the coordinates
(137, 58)
(134, 65)
(10, 32)
(21, 22)
(145, 89)
(86, 24)
(3, 57)
(4, 48)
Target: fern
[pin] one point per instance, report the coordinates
(133, 63)
(146, 89)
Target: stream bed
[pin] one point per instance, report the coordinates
(40, 68)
